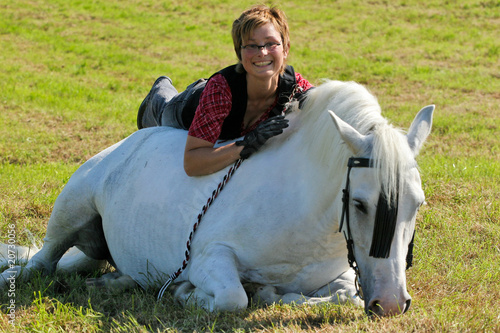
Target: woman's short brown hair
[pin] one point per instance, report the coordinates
(253, 18)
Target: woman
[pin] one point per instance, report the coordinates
(245, 99)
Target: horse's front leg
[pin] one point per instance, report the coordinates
(339, 291)
(342, 288)
(214, 281)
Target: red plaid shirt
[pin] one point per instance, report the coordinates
(215, 105)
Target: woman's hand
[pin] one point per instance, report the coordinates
(264, 131)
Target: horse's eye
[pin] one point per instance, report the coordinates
(360, 206)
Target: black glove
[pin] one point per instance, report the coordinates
(265, 130)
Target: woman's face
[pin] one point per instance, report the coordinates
(264, 62)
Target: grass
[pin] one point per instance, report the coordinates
(73, 74)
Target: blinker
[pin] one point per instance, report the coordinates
(385, 221)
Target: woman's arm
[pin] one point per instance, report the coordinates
(201, 158)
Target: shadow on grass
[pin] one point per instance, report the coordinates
(65, 298)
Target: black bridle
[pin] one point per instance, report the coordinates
(384, 228)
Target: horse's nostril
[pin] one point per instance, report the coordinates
(407, 305)
(374, 308)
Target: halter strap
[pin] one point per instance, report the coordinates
(359, 162)
(354, 162)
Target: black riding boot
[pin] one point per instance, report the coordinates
(155, 103)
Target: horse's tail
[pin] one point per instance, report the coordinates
(73, 260)
(16, 254)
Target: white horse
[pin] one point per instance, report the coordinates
(275, 225)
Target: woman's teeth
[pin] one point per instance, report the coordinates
(263, 63)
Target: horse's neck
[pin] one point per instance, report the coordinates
(314, 155)
(320, 143)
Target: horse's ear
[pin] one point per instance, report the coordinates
(355, 140)
(420, 128)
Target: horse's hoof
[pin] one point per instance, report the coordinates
(95, 282)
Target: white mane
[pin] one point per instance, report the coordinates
(354, 104)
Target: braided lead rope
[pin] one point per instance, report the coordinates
(215, 193)
(210, 200)
(291, 98)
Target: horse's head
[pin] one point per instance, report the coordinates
(382, 196)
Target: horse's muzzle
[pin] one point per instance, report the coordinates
(382, 309)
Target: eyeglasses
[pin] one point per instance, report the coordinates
(253, 48)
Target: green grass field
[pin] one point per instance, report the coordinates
(72, 76)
